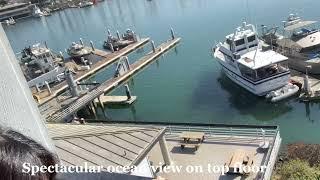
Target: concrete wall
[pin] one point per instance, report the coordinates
(18, 110)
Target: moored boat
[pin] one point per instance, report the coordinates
(117, 43)
(300, 42)
(283, 93)
(250, 63)
(78, 50)
(10, 21)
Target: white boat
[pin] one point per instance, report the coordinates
(78, 50)
(283, 93)
(250, 63)
(85, 4)
(37, 12)
(38, 60)
(300, 34)
(10, 21)
(300, 42)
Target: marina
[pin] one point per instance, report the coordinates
(54, 112)
(106, 60)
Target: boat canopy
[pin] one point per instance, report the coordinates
(258, 59)
(299, 24)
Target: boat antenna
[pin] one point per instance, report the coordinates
(248, 9)
(255, 54)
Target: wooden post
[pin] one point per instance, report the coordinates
(102, 108)
(93, 109)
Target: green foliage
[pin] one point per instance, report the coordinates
(296, 170)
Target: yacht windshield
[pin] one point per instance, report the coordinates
(264, 72)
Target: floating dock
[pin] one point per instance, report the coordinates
(65, 112)
(116, 100)
(107, 59)
(314, 84)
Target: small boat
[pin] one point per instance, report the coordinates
(118, 43)
(78, 50)
(283, 93)
(85, 4)
(37, 12)
(38, 60)
(10, 21)
(250, 63)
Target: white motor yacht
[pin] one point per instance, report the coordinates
(250, 63)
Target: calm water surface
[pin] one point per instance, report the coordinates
(185, 85)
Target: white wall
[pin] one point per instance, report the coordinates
(18, 110)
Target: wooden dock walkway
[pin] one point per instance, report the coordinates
(110, 84)
(108, 59)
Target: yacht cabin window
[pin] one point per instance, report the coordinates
(263, 72)
(251, 38)
(239, 42)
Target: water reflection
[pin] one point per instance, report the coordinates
(248, 104)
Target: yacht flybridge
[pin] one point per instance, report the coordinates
(250, 63)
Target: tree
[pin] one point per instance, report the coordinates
(297, 169)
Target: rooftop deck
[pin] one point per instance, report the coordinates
(219, 145)
(104, 143)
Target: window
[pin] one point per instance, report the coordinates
(251, 38)
(247, 72)
(269, 71)
(239, 42)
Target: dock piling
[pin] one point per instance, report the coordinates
(48, 87)
(71, 83)
(153, 46)
(81, 41)
(172, 34)
(128, 92)
(127, 62)
(92, 46)
(118, 35)
(111, 47)
(37, 88)
(61, 54)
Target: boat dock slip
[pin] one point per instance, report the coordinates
(107, 59)
(107, 86)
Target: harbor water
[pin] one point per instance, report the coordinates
(186, 84)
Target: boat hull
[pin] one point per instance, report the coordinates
(300, 65)
(260, 88)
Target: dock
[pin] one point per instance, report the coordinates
(314, 83)
(107, 59)
(116, 100)
(69, 109)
